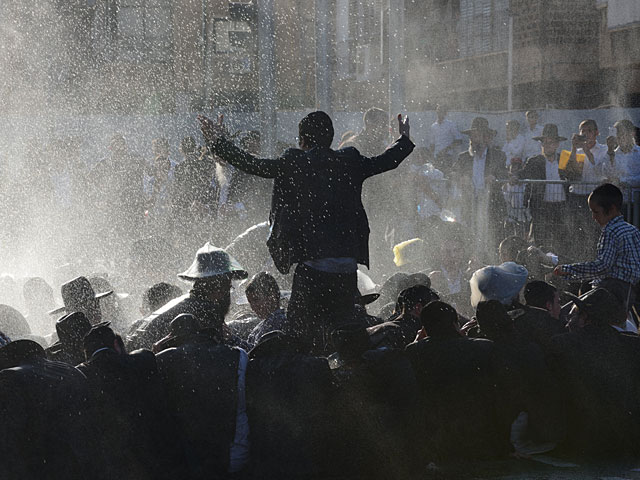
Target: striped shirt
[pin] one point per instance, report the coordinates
(618, 255)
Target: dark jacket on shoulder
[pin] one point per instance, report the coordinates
(316, 207)
(137, 435)
(289, 399)
(598, 369)
(45, 427)
(201, 383)
(457, 385)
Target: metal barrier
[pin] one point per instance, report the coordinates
(551, 214)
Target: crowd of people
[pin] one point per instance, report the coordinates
(442, 353)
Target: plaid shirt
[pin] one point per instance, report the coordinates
(618, 255)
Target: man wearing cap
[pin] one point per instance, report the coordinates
(209, 299)
(317, 217)
(547, 201)
(476, 171)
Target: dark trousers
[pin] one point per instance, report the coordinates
(320, 301)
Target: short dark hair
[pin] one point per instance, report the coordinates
(264, 285)
(418, 294)
(375, 116)
(439, 318)
(607, 196)
(316, 129)
(589, 122)
(537, 293)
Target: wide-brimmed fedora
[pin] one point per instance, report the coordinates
(76, 294)
(479, 124)
(212, 261)
(550, 130)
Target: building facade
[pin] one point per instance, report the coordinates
(164, 56)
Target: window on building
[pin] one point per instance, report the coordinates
(359, 38)
(483, 26)
(143, 30)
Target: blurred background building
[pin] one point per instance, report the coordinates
(168, 56)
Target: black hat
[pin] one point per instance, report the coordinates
(72, 328)
(600, 305)
(76, 294)
(101, 335)
(550, 130)
(351, 339)
(181, 327)
(14, 352)
(479, 124)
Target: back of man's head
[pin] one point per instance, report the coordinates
(439, 319)
(263, 285)
(316, 130)
(412, 297)
(538, 293)
(375, 118)
(607, 196)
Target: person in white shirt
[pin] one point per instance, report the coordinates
(626, 164)
(514, 146)
(592, 170)
(444, 138)
(531, 131)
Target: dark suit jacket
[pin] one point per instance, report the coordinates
(535, 169)
(599, 372)
(316, 207)
(494, 165)
(138, 437)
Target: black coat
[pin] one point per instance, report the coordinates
(289, 403)
(457, 384)
(45, 427)
(535, 169)
(316, 207)
(137, 437)
(201, 382)
(599, 371)
(377, 416)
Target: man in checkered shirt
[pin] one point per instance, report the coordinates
(617, 264)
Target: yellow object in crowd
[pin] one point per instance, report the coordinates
(564, 159)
